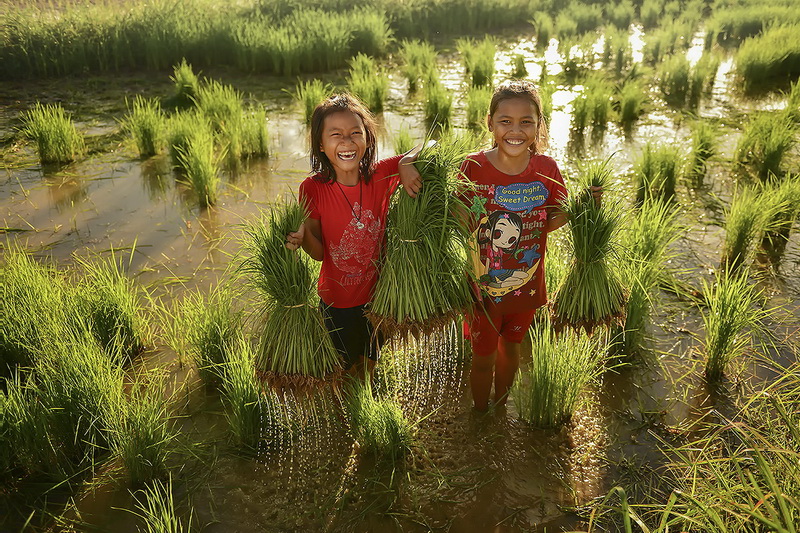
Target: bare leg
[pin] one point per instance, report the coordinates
(480, 379)
(506, 368)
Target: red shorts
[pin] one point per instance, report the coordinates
(485, 328)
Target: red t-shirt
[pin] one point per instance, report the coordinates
(353, 222)
(511, 233)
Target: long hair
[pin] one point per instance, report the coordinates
(336, 103)
(522, 89)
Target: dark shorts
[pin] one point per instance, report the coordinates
(351, 332)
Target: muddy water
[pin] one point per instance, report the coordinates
(466, 472)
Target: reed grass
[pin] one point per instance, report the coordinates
(745, 222)
(704, 140)
(417, 59)
(478, 99)
(478, 59)
(773, 55)
(592, 292)
(378, 424)
(657, 172)
(630, 102)
(156, 509)
(548, 388)
(731, 313)
(403, 140)
(544, 27)
(285, 283)
(201, 164)
(368, 82)
(438, 105)
(520, 70)
(186, 86)
(147, 125)
(55, 136)
(765, 142)
(309, 94)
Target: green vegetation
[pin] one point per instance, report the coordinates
(621, 14)
(773, 55)
(744, 224)
(520, 70)
(784, 199)
(478, 99)
(57, 140)
(438, 104)
(156, 508)
(201, 164)
(657, 172)
(378, 424)
(683, 83)
(617, 51)
(220, 104)
(629, 102)
(403, 141)
(764, 143)
(593, 104)
(309, 94)
(368, 82)
(186, 85)
(478, 59)
(417, 60)
(704, 140)
(544, 26)
(182, 127)
(147, 125)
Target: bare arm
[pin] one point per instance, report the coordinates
(309, 236)
(409, 176)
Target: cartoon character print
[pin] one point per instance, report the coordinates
(499, 235)
(356, 249)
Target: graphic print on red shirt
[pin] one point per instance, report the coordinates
(511, 233)
(353, 223)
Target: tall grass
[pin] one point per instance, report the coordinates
(731, 313)
(478, 59)
(704, 140)
(438, 104)
(186, 86)
(368, 82)
(657, 172)
(309, 94)
(55, 136)
(773, 55)
(744, 224)
(765, 142)
(478, 99)
(630, 102)
(417, 59)
(201, 164)
(547, 391)
(220, 104)
(156, 508)
(147, 125)
(378, 424)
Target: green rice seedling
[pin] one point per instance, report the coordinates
(57, 140)
(657, 172)
(667, 41)
(478, 59)
(520, 70)
(220, 104)
(764, 143)
(438, 105)
(147, 125)
(650, 12)
(773, 55)
(793, 102)
(630, 102)
(731, 310)
(599, 96)
(478, 99)
(182, 127)
(674, 79)
(284, 280)
(621, 14)
(592, 292)
(201, 164)
(378, 424)
(548, 388)
(255, 135)
(111, 302)
(142, 436)
(368, 82)
(784, 200)
(372, 35)
(617, 50)
(403, 141)
(546, 91)
(544, 27)
(209, 325)
(156, 509)
(308, 94)
(186, 86)
(565, 26)
(580, 112)
(587, 16)
(744, 224)
(422, 286)
(417, 59)
(704, 140)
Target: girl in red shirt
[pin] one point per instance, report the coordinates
(348, 198)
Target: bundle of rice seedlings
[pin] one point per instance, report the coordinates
(478, 59)
(220, 104)
(186, 85)
(308, 94)
(201, 164)
(547, 391)
(731, 309)
(422, 285)
(368, 82)
(57, 140)
(784, 199)
(417, 58)
(520, 70)
(744, 224)
(147, 125)
(629, 102)
(403, 141)
(438, 104)
(378, 424)
(657, 172)
(704, 136)
(764, 143)
(295, 347)
(182, 127)
(478, 99)
(592, 292)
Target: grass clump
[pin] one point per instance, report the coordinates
(544, 27)
(621, 14)
(478, 59)
(593, 104)
(744, 224)
(147, 125)
(308, 94)
(220, 104)
(403, 141)
(417, 59)
(368, 82)
(378, 424)
(764, 143)
(617, 51)
(286, 285)
(630, 102)
(201, 164)
(731, 310)
(57, 140)
(773, 55)
(478, 99)
(657, 172)
(784, 199)
(186, 86)
(704, 140)
(156, 508)
(591, 294)
(438, 104)
(520, 70)
(548, 388)
(183, 126)
(793, 102)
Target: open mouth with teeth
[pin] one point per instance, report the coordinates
(515, 142)
(346, 156)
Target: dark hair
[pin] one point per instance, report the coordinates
(337, 103)
(494, 216)
(522, 89)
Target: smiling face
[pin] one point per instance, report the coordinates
(344, 142)
(505, 234)
(515, 126)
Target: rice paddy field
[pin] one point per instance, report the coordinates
(141, 143)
